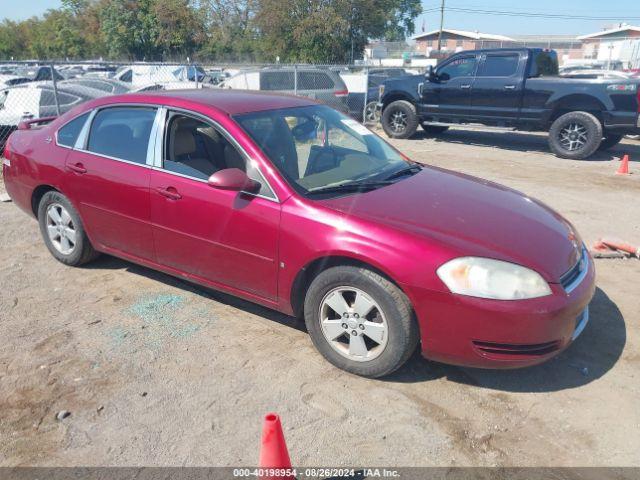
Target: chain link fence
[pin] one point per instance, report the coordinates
(30, 90)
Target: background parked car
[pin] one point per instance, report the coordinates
(38, 101)
(323, 85)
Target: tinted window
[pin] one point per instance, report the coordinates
(460, 67)
(314, 81)
(122, 133)
(499, 66)
(68, 134)
(544, 64)
(48, 99)
(276, 81)
(127, 77)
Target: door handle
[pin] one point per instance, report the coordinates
(466, 86)
(509, 87)
(169, 192)
(76, 168)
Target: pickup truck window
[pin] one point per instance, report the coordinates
(460, 67)
(499, 66)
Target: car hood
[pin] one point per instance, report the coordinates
(471, 217)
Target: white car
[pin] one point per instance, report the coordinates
(37, 101)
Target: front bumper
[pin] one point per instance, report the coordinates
(484, 333)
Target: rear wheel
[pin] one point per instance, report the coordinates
(434, 129)
(575, 135)
(360, 321)
(62, 230)
(399, 119)
(610, 141)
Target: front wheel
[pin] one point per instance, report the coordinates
(399, 119)
(360, 321)
(575, 135)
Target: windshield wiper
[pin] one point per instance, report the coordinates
(350, 187)
(413, 169)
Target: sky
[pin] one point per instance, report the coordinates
(622, 10)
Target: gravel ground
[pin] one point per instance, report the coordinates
(158, 372)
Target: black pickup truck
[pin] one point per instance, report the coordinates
(516, 88)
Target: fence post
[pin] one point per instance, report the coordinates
(295, 79)
(366, 94)
(55, 89)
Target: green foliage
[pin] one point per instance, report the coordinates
(242, 30)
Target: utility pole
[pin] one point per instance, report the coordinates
(441, 26)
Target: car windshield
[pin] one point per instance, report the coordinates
(320, 151)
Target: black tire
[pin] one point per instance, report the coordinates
(399, 119)
(401, 327)
(590, 135)
(434, 129)
(82, 250)
(610, 141)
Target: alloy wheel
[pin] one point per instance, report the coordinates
(573, 136)
(353, 324)
(60, 229)
(398, 121)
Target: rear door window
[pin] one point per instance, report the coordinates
(68, 134)
(122, 133)
(499, 66)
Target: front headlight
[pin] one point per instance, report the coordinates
(488, 278)
(380, 91)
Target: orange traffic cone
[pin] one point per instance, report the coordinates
(624, 166)
(273, 452)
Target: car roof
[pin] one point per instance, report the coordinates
(228, 101)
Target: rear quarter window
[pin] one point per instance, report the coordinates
(68, 134)
(314, 81)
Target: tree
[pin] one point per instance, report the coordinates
(130, 28)
(331, 30)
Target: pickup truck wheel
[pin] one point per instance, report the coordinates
(360, 321)
(434, 129)
(399, 119)
(610, 141)
(62, 230)
(575, 135)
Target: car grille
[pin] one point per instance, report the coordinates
(508, 349)
(572, 278)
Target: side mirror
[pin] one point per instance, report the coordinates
(431, 74)
(233, 179)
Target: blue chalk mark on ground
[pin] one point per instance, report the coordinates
(163, 317)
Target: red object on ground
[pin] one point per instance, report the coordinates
(273, 450)
(624, 166)
(621, 245)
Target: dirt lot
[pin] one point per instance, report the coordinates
(158, 372)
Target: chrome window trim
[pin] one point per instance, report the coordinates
(159, 150)
(81, 141)
(153, 137)
(584, 258)
(55, 135)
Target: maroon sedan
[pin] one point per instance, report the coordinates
(292, 205)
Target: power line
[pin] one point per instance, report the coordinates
(531, 14)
